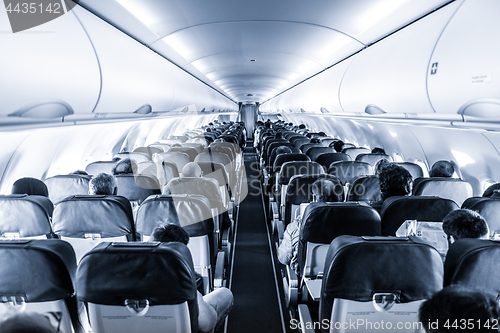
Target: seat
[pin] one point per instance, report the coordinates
(326, 159)
(273, 156)
(300, 141)
(475, 263)
(136, 188)
(218, 172)
(449, 188)
(25, 216)
(396, 210)
(62, 186)
(86, 220)
(163, 146)
(98, 167)
(137, 157)
(355, 151)
(149, 151)
(305, 147)
(191, 152)
(267, 155)
(372, 159)
(391, 278)
(223, 159)
(314, 152)
(193, 213)
(283, 158)
(139, 287)
(415, 169)
(177, 158)
(39, 276)
(489, 208)
(199, 148)
(366, 189)
(348, 171)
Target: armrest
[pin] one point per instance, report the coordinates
(305, 319)
(280, 227)
(219, 270)
(291, 287)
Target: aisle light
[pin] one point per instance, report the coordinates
(138, 9)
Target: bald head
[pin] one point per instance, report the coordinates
(191, 170)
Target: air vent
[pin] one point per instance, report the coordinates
(145, 109)
(249, 95)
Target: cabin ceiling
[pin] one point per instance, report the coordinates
(251, 51)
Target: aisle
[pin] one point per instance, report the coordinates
(256, 305)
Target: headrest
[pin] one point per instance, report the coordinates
(299, 188)
(199, 148)
(290, 169)
(98, 167)
(214, 157)
(358, 267)
(38, 270)
(107, 215)
(489, 208)
(326, 159)
(216, 171)
(149, 151)
(414, 169)
(348, 171)
(281, 159)
(200, 186)
(314, 152)
(178, 158)
(163, 273)
(450, 188)
(473, 262)
(396, 210)
(25, 215)
(300, 141)
(63, 186)
(365, 189)
(234, 147)
(372, 159)
(191, 152)
(305, 147)
(137, 157)
(192, 212)
(354, 152)
(135, 187)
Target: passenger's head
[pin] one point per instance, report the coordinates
(465, 223)
(442, 169)
(170, 233)
(30, 186)
(278, 135)
(337, 145)
(29, 322)
(103, 184)
(191, 170)
(491, 190)
(283, 150)
(315, 140)
(123, 167)
(394, 181)
(302, 126)
(378, 150)
(380, 164)
(456, 303)
(79, 172)
(327, 190)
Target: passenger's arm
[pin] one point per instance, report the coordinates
(160, 172)
(285, 248)
(207, 317)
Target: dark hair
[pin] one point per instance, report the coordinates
(283, 150)
(464, 223)
(30, 186)
(442, 168)
(337, 145)
(378, 150)
(491, 189)
(79, 172)
(302, 126)
(315, 140)
(380, 165)
(456, 303)
(102, 184)
(170, 233)
(123, 167)
(278, 135)
(327, 190)
(394, 181)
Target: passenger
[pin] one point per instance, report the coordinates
(465, 223)
(283, 150)
(33, 186)
(79, 172)
(315, 140)
(103, 184)
(323, 190)
(214, 307)
(191, 170)
(380, 164)
(125, 166)
(378, 150)
(458, 304)
(442, 168)
(337, 145)
(394, 181)
(492, 191)
(29, 322)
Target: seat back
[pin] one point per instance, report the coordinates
(199, 186)
(86, 220)
(348, 171)
(396, 210)
(474, 263)
(218, 172)
(25, 216)
(275, 145)
(297, 142)
(177, 158)
(449, 188)
(163, 146)
(314, 152)
(489, 208)
(62, 186)
(215, 157)
(372, 159)
(199, 148)
(414, 169)
(292, 168)
(149, 151)
(150, 287)
(326, 159)
(323, 222)
(391, 277)
(366, 189)
(305, 147)
(355, 151)
(273, 156)
(137, 157)
(98, 167)
(191, 152)
(283, 158)
(136, 188)
(38, 276)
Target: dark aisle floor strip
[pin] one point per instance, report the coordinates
(257, 306)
